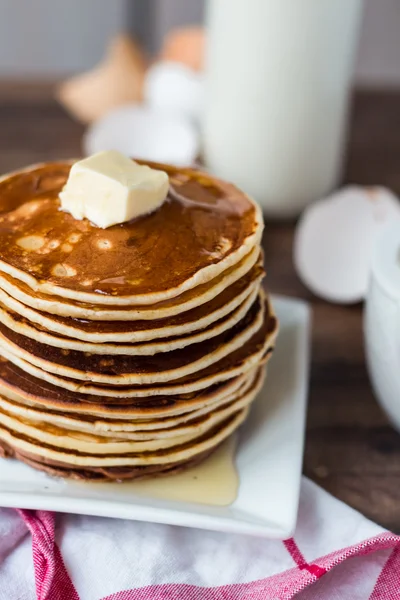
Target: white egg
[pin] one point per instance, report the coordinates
(175, 87)
(147, 133)
(334, 241)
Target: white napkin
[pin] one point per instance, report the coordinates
(335, 554)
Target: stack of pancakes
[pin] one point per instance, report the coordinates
(134, 350)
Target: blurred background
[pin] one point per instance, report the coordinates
(49, 41)
(49, 38)
(52, 38)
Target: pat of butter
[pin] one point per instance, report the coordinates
(109, 188)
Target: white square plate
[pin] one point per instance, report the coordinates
(268, 458)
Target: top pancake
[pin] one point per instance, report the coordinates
(204, 227)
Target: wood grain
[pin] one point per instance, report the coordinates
(350, 450)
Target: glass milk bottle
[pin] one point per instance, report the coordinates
(278, 77)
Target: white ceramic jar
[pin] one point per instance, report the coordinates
(278, 76)
(382, 322)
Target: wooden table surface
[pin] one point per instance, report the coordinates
(350, 448)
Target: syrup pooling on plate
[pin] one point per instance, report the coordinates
(201, 225)
(213, 482)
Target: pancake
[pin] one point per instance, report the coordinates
(27, 391)
(258, 348)
(101, 474)
(241, 360)
(135, 331)
(132, 351)
(211, 223)
(21, 325)
(135, 419)
(188, 300)
(83, 437)
(83, 443)
(178, 453)
(131, 369)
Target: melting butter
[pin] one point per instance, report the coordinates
(109, 188)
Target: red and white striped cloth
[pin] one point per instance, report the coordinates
(335, 554)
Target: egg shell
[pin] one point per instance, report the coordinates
(185, 45)
(174, 87)
(334, 241)
(118, 79)
(142, 132)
